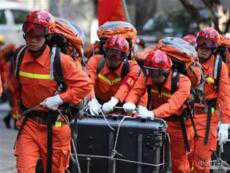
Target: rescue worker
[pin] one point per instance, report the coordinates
(215, 102)
(113, 76)
(109, 29)
(168, 92)
(38, 93)
(6, 68)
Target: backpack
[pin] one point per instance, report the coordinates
(183, 56)
(68, 37)
(125, 29)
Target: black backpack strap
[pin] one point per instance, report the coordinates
(174, 87)
(56, 68)
(19, 56)
(125, 68)
(149, 103)
(19, 59)
(217, 71)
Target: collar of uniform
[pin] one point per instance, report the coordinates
(42, 59)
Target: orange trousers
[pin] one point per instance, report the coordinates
(200, 157)
(32, 145)
(180, 162)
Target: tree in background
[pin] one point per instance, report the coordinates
(217, 14)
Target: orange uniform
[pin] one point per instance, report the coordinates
(201, 155)
(34, 75)
(164, 105)
(173, 105)
(110, 83)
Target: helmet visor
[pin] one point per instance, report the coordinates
(155, 72)
(207, 43)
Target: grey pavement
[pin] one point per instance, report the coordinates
(7, 139)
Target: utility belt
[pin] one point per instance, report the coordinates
(175, 118)
(45, 117)
(204, 109)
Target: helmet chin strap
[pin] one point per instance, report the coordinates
(37, 53)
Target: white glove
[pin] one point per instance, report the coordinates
(94, 107)
(223, 133)
(129, 107)
(109, 106)
(52, 102)
(144, 112)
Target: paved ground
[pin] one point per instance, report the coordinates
(7, 138)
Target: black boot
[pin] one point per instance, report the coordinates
(6, 120)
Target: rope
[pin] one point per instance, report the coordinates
(123, 160)
(107, 122)
(114, 151)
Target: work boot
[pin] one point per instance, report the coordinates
(6, 120)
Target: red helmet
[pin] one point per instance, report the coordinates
(157, 63)
(208, 37)
(158, 59)
(40, 21)
(117, 42)
(190, 38)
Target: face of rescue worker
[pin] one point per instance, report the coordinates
(204, 53)
(114, 58)
(34, 42)
(158, 75)
(159, 80)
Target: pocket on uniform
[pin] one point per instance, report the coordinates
(61, 136)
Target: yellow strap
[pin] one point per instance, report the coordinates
(34, 76)
(110, 82)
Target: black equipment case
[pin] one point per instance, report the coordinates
(122, 145)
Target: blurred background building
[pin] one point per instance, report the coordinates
(160, 17)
